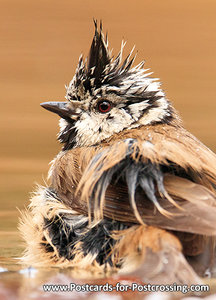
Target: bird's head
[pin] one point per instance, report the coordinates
(107, 96)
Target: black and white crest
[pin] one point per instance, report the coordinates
(102, 73)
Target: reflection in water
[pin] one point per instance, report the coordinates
(30, 283)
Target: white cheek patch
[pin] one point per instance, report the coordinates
(87, 130)
(94, 128)
(87, 123)
(120, 120)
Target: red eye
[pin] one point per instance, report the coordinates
(104, 106)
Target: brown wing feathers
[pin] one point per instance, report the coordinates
(194, 217)
(98, 173)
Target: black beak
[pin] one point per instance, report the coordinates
(60, 108)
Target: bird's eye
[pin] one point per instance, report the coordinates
(104, 106)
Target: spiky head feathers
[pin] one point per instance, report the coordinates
(104, 74)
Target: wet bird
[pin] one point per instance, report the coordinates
(132, 190)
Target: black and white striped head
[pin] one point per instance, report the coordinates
(108, 95)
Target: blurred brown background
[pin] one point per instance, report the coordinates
(40, 45)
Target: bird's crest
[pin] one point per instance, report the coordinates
(102, 73)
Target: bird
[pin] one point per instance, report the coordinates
(131, 191)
